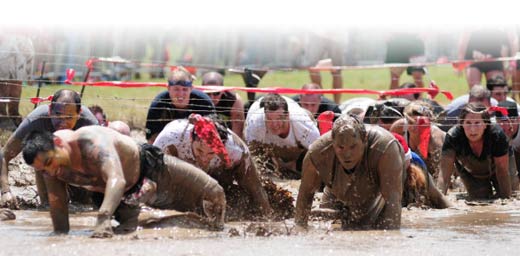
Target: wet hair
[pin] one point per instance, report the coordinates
(36, 141)
(475, 107)
(388, 115)
(60, 93)
(221, 128)
(273, 102)
(418, 108)
(479, 93)
(345, 122)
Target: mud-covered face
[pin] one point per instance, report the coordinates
(46, 162)
(474, 126)
(180, 95)
(277, 122)
(203, 153)
(64, 116)
(349, 148)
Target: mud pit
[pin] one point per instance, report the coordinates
(488, 228)
(481, 228)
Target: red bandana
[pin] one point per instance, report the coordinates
(502, 110)
(325, 120)
(423, 124)
(207, 132)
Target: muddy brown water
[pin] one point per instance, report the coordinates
(483, 229)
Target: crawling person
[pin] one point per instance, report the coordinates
(102, 160)
(64, 112)
(277, 127)
(219, 152)
(362, 167)
(480, 151)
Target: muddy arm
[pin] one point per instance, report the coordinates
(502, 172)
(309, 184)
(12, 148)
(390, 171)
(438, 200)
(447, 165)
(59, 207)
(102, 155)
(247, 178)
(196, 185)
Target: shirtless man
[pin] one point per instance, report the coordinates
(218, 151)
(102, 160)
(362, 167)
(64, 112)
(283, 129)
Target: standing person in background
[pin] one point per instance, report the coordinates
(483, 44)
(403, 48)
(337, 79)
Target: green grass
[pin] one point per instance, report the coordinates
(131, 105)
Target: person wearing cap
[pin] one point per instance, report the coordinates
(423, 136)
(229, 105)
(220, 153)
(178, 102)
(480, 152)
(64, 112)
(315, 103)
(509, 124)
(280, 130)
(362, 167)
(483, 44)
(419, 189)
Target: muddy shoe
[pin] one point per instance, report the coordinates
(6, 214)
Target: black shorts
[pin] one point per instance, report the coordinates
(485, 67)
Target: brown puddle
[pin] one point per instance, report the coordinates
(463, 230)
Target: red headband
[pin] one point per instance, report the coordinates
(207, 132)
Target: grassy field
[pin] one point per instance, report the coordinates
(131, 105)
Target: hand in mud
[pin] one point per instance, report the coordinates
(215, 214)
(9, 200)
(6, 214)
(103, 227)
